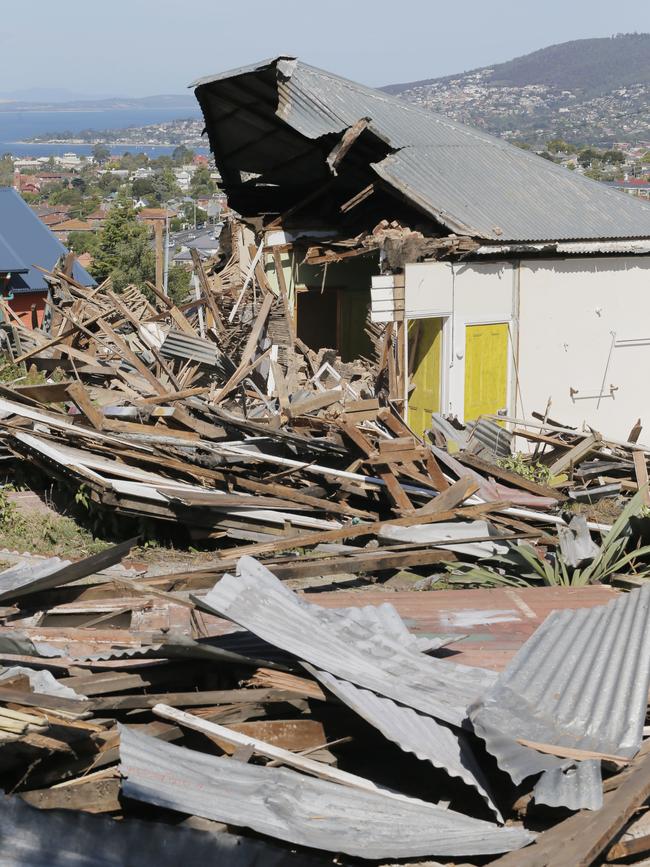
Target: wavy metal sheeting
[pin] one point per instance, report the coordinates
(32, 576)
(473, 183)
(580, 681)
(342, 644)
(177, 344)
(67, 838)
(283, 803)
(414, 733)
(578, 787)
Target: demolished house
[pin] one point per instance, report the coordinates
(511, 282)
(296, 695)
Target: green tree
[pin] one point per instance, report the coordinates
(6, 171)
(123, 252)
(165, 186)
(558, 145)
(614, 157)
(182, 155)
(178, 283)
(83, 242)
(201, 183)
(101, 152)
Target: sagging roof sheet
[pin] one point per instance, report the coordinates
(344, 644)
(66, 838)
(580, 681)
(413, 732)
(471, 182)
(31, 577)
(283, 803)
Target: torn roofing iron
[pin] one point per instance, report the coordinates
(342, 644)
(284, 804)
(29, 577)
(413, 732)
(578, 787)
(65, 838)
(580, 681)
(469, 181)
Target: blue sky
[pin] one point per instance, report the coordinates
(143, 47)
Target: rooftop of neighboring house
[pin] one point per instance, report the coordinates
(155, 214)
(25, 243)
(292, 138)
(74, 225)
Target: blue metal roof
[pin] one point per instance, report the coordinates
(26, 242)
(471, 182)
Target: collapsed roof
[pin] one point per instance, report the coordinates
(288, 137)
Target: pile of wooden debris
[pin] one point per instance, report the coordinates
(330, 730)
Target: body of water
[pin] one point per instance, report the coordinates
(16, 126)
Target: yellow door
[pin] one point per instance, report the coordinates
(486, 369)
(425, 345)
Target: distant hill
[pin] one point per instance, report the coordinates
(173, 101)
(588, 90)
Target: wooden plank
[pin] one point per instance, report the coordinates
(626, 848)
(375, 561)
(207, 291)
(507, 476)
(192, 699)
(285, 757)
(641, 473)
(575, 454)
(450, 498)
(79, 396)
(95, 796)
(131, 357)
(351, 531)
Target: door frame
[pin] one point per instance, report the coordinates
(445, 356)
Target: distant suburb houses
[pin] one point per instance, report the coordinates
(26, 246)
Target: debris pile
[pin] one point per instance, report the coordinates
(333, 733)
(216, 701)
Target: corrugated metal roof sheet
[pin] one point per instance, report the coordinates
(31, 243)
(27, 578)
(413, 732)
(472, 182)
(578, 787)
(177, 344)
(284, 803)
(581, 681)
(69, 838)
(343, 645)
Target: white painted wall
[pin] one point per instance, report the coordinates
(473, 294)
(572, 313)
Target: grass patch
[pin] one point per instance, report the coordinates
(51, 535)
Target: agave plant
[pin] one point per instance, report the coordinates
(611, 558)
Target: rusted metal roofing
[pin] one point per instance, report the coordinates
(497, 622)
(283, 803)
(344, 645)
(581, 682)
(471, 182)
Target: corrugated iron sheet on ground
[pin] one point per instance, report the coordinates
(581, 681)
(284, 804)
(578, 787)
(344, 646)
(65, 838)
(413, 732)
